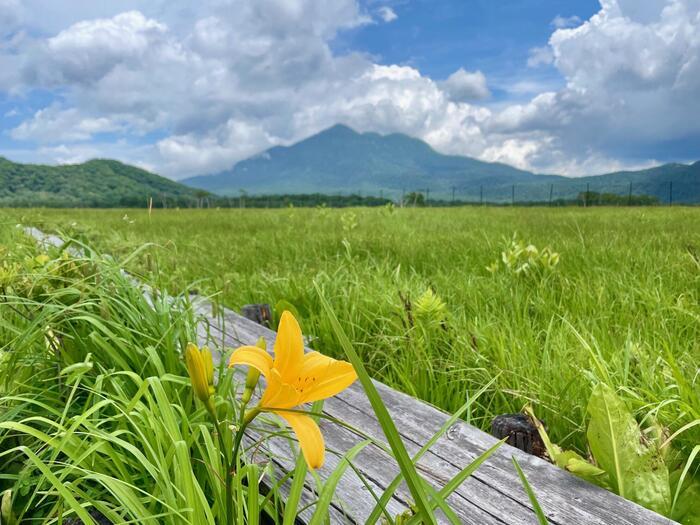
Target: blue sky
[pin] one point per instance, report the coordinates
(438, 37)
(188, 87)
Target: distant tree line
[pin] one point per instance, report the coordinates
(584, 198)
(208, 200)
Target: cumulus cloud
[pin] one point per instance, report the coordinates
(463, 86)
(387, 14)
(55, 125)
(87, 51)
(639, 90)
(226, 79)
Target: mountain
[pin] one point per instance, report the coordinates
(340, 159)
(97, 183)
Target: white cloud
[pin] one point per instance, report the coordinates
(539, 56)
(463, 86)
(56, 125)
(632, 77)
(387, 14)
(561, 22)
(223, 80)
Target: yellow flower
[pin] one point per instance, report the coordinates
(294, 379)
(200, 366)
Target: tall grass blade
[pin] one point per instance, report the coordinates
(541, 517)
(413, 479)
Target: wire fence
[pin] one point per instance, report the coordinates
(555, 193)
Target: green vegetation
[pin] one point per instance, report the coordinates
(96, 184)
(626, 289)
(100, 418)
(353, 169)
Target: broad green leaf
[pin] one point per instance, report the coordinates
(585, 470)
(687, 509)
(637, 471)
(568, 459)
(686, 493)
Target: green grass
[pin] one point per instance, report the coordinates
(622, 305)
(98, 417)
(627, 289)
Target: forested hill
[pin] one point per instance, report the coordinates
(96, 183)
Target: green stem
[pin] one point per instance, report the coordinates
(246, 417)
(220, 427)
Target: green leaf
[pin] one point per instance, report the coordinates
(541, 516)
(326, 496)
(298, 478)
(282, 305)
(585, 470)
(686, 494)
(637, 471)
(687, 509)
(568, 459)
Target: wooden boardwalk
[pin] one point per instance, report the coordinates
(493, 495)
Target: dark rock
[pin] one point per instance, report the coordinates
(259, 313)
(520, 431)
(97, 516)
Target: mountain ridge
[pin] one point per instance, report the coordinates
(342, 160)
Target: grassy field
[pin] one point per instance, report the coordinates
(411, 287)
(582, 314)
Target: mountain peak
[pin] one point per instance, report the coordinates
(339, 129)
(340, 159)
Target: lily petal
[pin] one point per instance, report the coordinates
(328, 379)
(252, 356)
(309, 437)
(289, 348)
(278, 394)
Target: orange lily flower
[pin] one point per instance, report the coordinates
(293, 379)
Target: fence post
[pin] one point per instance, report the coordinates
(629, 198)
(512, 195)
(481, 195)
(670, 193)
(551, 191)
(587, 196)
(453, 194)
(427, 196)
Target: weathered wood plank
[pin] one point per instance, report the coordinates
(495, 488)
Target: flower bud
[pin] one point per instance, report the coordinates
(6, 514)
(208, 364)
(198, 372)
